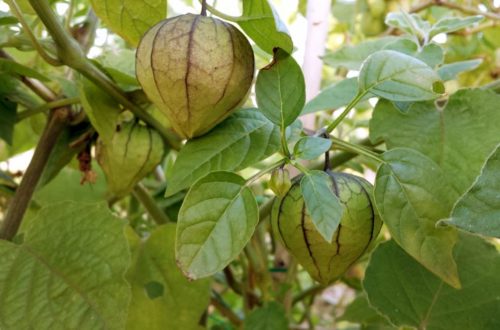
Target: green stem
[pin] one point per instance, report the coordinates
(69, 17)
(71, 54)
(356, 149)
(265, 171)
(265, 210)
(216, 12)
(226, 311)
(349, 107)
(300, 167)
(38, 47)
(20, 202)
(142, 194)
(313, 290)
(231, 280)
(466, 9)
(47, 106)
(494, 86)
(284, 143)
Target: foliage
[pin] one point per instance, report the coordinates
(117, 223)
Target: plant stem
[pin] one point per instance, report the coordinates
(203, 8)
(300, 167)
(265, 210)
(265, 171)
(356, 149)
(216, 12)
(466, 9)
(225, 310)
(231, 281)
(47, 106)
(284, 143)
(21, 199)
(143, 196)
(71, 54)
(38, 47)
(494, 86)
(349, 107)
(36, 87)
(313, 290)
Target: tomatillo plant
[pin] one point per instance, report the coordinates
(181, 177)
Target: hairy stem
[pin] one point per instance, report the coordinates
(20, 202)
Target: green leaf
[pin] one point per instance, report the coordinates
(335, 96)
(268, 317)
(66, 187)
(431, 54)
(439, 133)
(352, 57)
(8, 114)
(478, 211)
(120, 64)
(398, 77)
(450, 71)
(9, 66)
(412, 194)
(233, 145)
(412, 24)
(162, 298)
(280, 89)
(360, 311)
(130, 19)
(7, 19)
(101, 109)
(261, 22)
(322, 204)
(310, 147)
(68, 273)
(216, 220)
(409, 295)
(452, 24)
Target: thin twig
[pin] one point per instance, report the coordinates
(47, 106)
(36, 86)
(231, 280)
(494, 86)
(203, 8)
(19, 203)
(223, 308)
(466, 9)
(313, 290)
